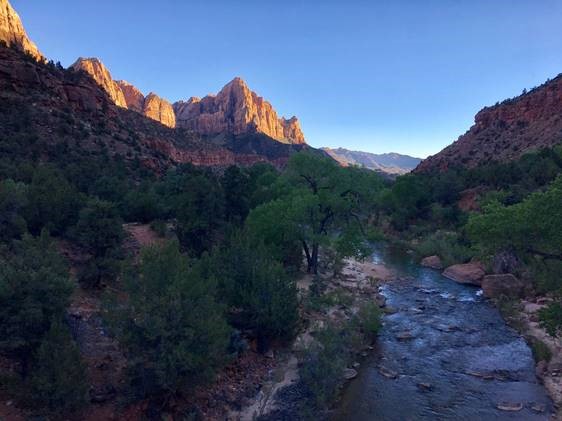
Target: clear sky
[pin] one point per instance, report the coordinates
(400, 75)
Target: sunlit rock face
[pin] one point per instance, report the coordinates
(126, 95)
(101, 75)
(13, 33)
(159, 109)
(236, 110)
(133, 96)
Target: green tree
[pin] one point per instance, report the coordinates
(258, 287)
(237, 189)
(34, 290)
(13, 201)
(171, 327)
(53, 202)
(323, 205)
(58, 381)
(99, 230)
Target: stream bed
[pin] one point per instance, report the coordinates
(446, 354)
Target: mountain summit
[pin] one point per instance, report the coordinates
(236, 110)
(13, 33)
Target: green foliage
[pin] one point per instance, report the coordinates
(323, 366)
(53, 202)
(530, 228)
(13, 202)
(171, 327)
(369, 318)
(258, 286)
(99, 228)
(320, 205)
(449, 246)
(541, 352)
(324, 362)
(58, 381)
(551, 318)
(34, 290)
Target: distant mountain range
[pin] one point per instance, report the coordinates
(389, 163)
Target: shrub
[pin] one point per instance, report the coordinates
(323, 366)
(551, 318)
(369, 318)
(540, 351)
(34, 290)
(257, 285)
(172, 329)
(58, 381)
(446, 245)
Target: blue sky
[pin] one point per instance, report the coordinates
(400, 75)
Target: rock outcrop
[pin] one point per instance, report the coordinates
(506, 131)
(125, 95)
(159, 109)
(467, 273)
(13, 33)
(494, 286)
(433, 262)
(134, 98)
(236, 110)
(95, 68)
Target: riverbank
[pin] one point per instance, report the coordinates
(547, 349)
(343, 295)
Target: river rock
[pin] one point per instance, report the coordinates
(349, 374)
(433, 262)
(494, 286)
(510, 406)
(467, 273)
(425, 387)
(404, 336)
(387, 372)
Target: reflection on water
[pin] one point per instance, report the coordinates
(446, 354)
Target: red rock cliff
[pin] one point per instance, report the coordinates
(13, 33)
(506, 131)
(236, 110)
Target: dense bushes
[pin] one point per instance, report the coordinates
(172, 328)
(258, 287)
(34, 294)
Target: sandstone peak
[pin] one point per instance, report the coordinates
(101, 75)
(236, 110)
(13, 33)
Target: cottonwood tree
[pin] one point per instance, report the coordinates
(321, 205)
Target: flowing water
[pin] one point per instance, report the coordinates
(446, 354)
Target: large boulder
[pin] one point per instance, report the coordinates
(467, 273)
(433, 262)
(494, 286)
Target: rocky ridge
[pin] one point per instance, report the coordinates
(12, 32)
(389, 163)
(506, 130)
(236, 110)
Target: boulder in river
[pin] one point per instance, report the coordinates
(494, 286)
(466, 273)
(510, 406)
(349, 373)
(433, 262)
(387, 372)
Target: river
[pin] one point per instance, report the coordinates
(446, 354)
